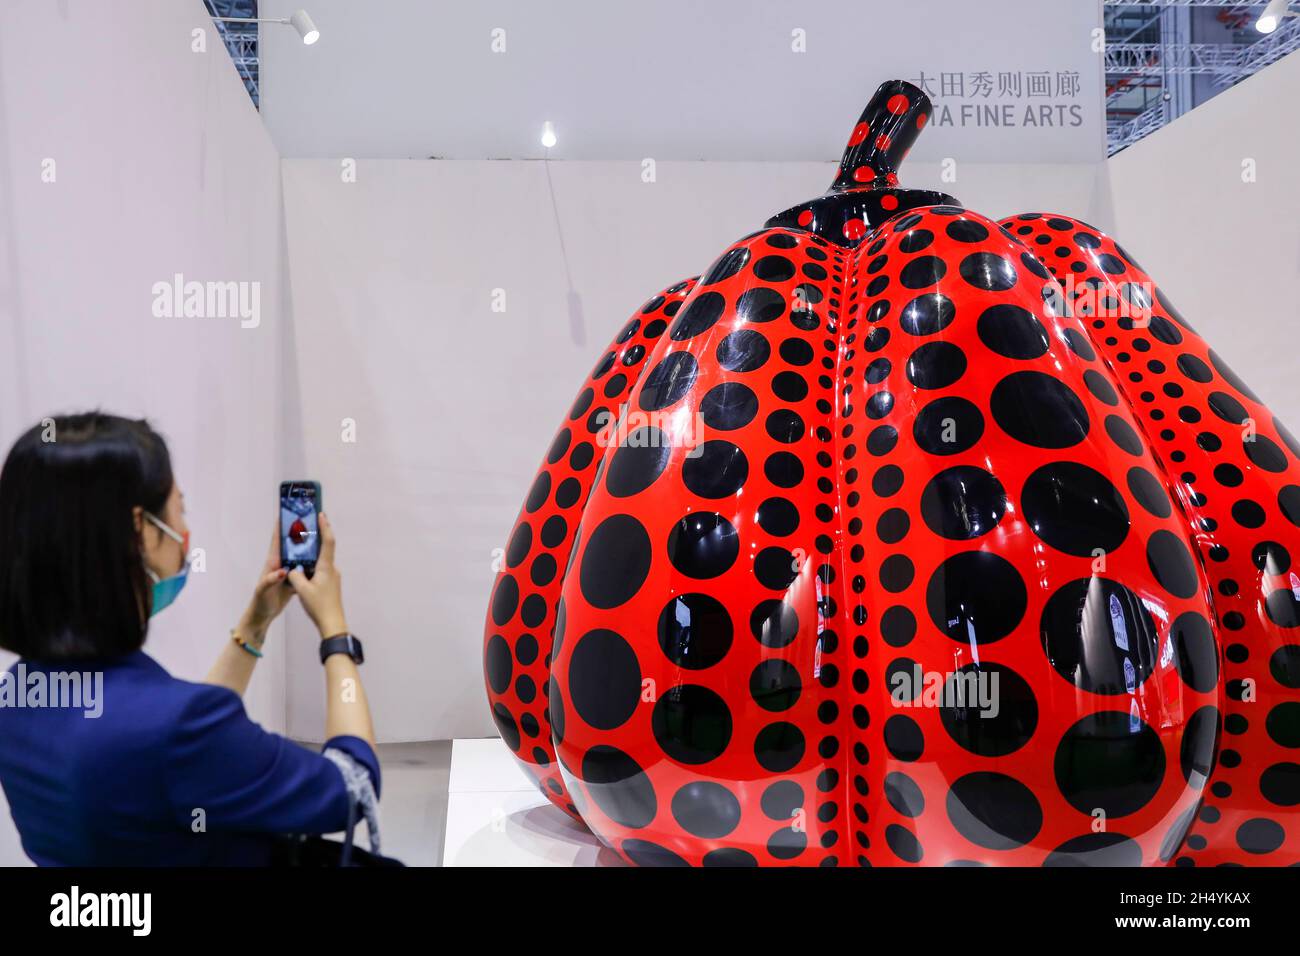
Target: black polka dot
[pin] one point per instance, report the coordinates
(883, 438)
(897, 625)
(726, 266)
(692, 724)
(760, 305)
(1099, 636)
(1280, 784)
(647, 854)
(1012, 332)
(505, 600)
(948, 426)
(922, 272)
(1282, 607)
(699, 316)
(904, 795)
(1075, 509)
(966, 230)
(615, 562)
(1284, 666)
(783, 469)
(1264, 453)
(1039, 410)
(775, 568)
(521, 541)
(903, 738)
(1260, 835)
(976, 596)
(618, 786)
(1194, 369)
(669, 381)
(915, 241)
(779, 747)
(903, 844)
(784, 425)
(774, 623)
(1149, 493)
(984, 270)
(962, 503)
(1103, 849)
(695, 631)
(775, 685)
(936, 365)
(774, 269)
(604, 679)
(780, 800)
(989, 709)
(729, 406)
(743, 351)
(706, 809)
(1109, 761)
(886, 481)
(1123, 435)
(1283, 724)
(498, 664)
(637, 462)
(1079, 344)
(993, 810)
(927, 314)
(506, 725)
(729, 857)
(778, 517)
(790, 386)
(715, 469)
(702, 545)
(896, 573)
(1100, 387)
(1172, 564)
(1288, 502)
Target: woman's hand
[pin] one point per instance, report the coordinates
(322, 595)
(269, 595)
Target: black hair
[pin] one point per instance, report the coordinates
(72, 577)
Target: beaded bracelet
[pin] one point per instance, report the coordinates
(234, 636)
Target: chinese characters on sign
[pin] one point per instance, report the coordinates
(1008, 98)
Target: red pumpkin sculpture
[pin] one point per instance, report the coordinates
(903, 536)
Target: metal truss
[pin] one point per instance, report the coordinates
(1121, 134)
(1227, 63)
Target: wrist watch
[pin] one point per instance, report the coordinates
(342, 644)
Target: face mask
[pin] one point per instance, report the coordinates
(165, 590)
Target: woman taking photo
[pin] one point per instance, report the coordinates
(93, 543)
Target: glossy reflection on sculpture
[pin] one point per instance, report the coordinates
(904, 536)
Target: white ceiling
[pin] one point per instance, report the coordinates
(668, 79)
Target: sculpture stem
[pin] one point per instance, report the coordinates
(886, 131)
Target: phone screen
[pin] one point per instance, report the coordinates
(299, 526)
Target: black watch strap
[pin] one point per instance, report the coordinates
(342, 644)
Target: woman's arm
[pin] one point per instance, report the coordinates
(234, 665)
(347, 712)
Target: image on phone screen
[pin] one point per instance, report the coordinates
(299, 531)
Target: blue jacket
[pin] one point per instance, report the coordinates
(171, 773)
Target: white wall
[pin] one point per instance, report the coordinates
(161, 166)
(733, 80)
(1226, 251)
(392, 279)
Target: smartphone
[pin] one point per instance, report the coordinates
(300, 504)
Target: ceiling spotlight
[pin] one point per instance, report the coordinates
(1272, 16)
(306, 29)
(300, 21)
(548, 134)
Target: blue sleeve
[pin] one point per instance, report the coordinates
(246, 779)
